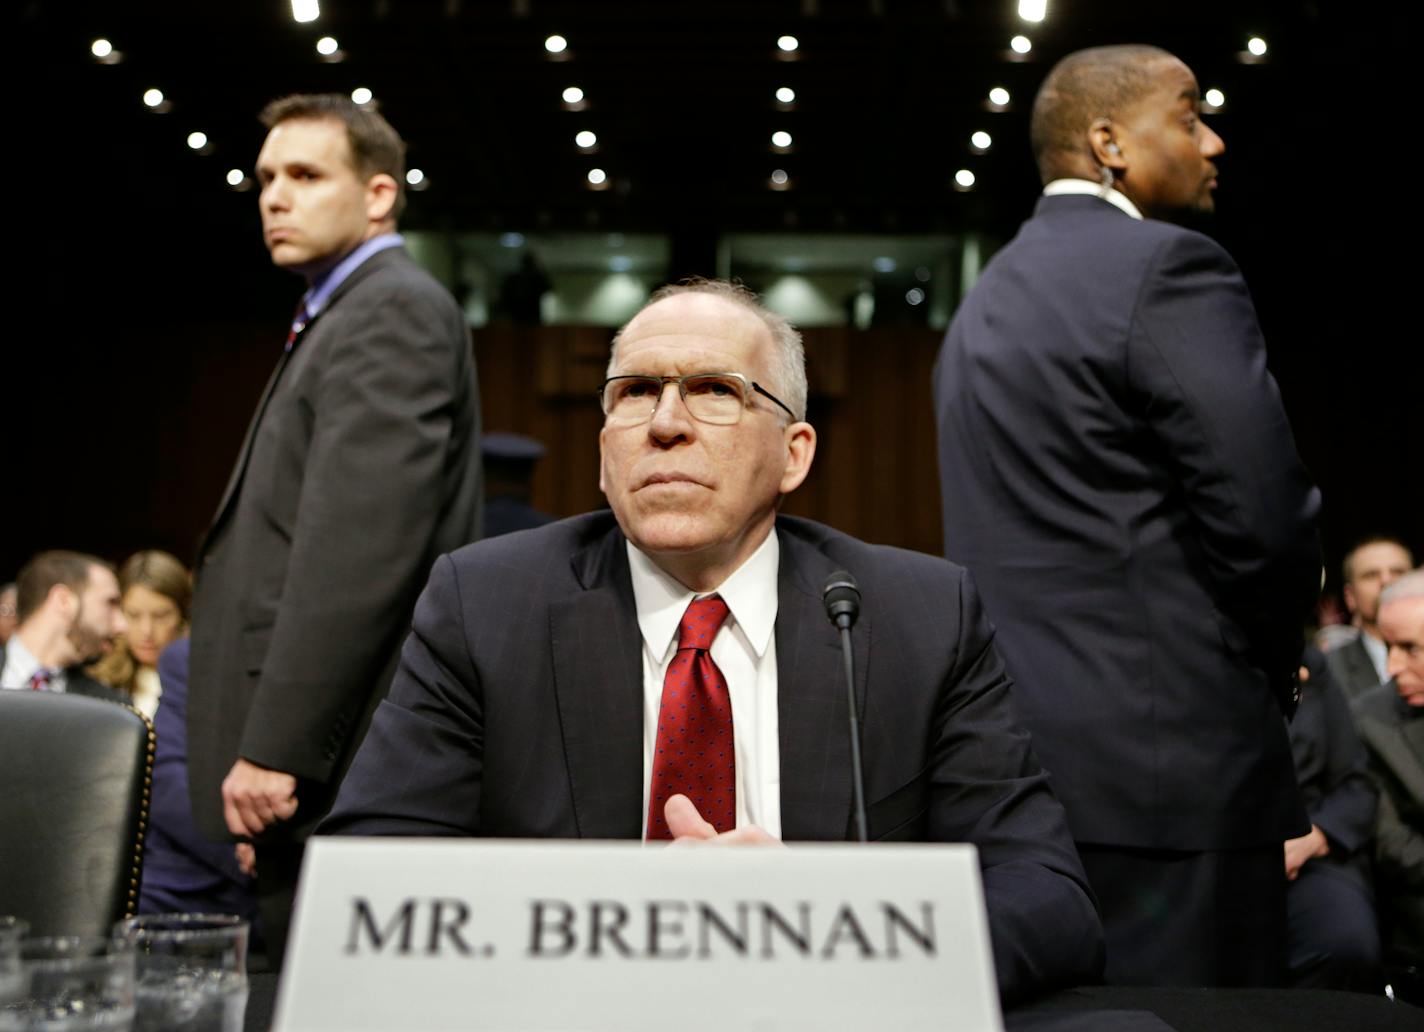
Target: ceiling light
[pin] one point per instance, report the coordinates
(597, 176)
(235, 176)
(197, 140)
(153, 98)
(787, 44)
(361, 95)
(326, 46)
(964, 179)
(786, 95)
(414, 177)
(1257, 46)
(305, 10)
(781, 138)
(1214, 98)
(779, 176)
(556, 44)
(586, 139)
(999, 97)
(573, 95)
(981, 141)
(101, 48)
(1020, 45)
(914, 296)
(1033, 10)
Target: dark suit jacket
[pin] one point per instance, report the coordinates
(1351, 667)
(1393, 734)
(77, 682)
(517, 712)
(361, 465)
(1119, 475)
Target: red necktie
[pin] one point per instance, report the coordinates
(694, 753)
(39, 682)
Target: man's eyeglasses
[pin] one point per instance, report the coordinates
(718, 398)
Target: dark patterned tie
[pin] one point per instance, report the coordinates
(299, 323)
(39, 681)
(694, 753)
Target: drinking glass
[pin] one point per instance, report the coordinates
(192, 971)
(71, 984)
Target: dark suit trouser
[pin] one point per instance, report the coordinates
(278, 865)
(1214, 918)
(1334, 938)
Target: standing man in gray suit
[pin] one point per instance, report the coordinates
(362, 464)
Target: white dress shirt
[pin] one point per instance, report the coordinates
(1378, 652)
(1087, 186)
(20, 666)
(744, 650)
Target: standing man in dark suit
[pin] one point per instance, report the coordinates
(1119, 475)
(67, 604)
(548, 668)
(1370, 567)
(360, 467)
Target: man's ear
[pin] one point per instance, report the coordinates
(63, 598)
(800, 453)
(381, 193)
(1350, 601)
(1102, 142)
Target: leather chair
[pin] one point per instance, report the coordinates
(75, 775)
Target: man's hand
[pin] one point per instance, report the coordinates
(246, 858)
(255, 798)
(1307, 847)
(687, 826)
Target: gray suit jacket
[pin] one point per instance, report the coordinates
(1351, 668)
(517, 712)
(361, 465)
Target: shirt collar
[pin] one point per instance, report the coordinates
(1087, 186)
(20, 662)
(321, 291)
(750, 593)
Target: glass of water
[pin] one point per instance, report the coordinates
(71, 984)
(192, 971)
(12, 930)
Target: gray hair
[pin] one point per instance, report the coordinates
(1411, 585)
(788, 366)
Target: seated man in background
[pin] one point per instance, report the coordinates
(532, 698)
(67, 604)
(1333, 937)
(1390, 719)
(1371, 566)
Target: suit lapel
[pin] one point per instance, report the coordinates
(598, 682)
(1394, 749)
(814, 733)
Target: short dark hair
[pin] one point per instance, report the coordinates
(44, 571)
(1086, 85)
(375, 145)
(1347, 567)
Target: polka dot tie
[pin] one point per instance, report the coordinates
(694, 754)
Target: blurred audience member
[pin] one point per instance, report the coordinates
(67, 604)
(509, 482)
(155, 590)
(1359, 664)
(8, 619)
(183, 872)
(1334, 938)
(1390, 719)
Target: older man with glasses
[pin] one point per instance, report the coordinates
(545, 689)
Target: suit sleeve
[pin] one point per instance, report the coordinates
(420, 767)
(382, 418)
(988, 789)
(1197, 359)
(1346, 810)
(1399, 848)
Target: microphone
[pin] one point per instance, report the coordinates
(841, 597)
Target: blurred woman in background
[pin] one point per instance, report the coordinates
(156, 591)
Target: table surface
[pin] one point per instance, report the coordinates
(1130, 1009)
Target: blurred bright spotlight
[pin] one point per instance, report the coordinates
(235, 176)
(620, 263)
(1214, 98)
(326, 46)
(914, 296)
(101, 48)
(1020, 45)
(779, 176)
(786, 95)
(414, 176)
(964, 179)
(361, 95)
(981, 141)
(573, 95)
(305, 10)
(597, 176)
(511, 240)
(197, 141)
(1033, 10)
(883, 264)
(556, 44)
(781, 138)
(153, 98)
(787, 44)
(586, 139)
(999, 97)
(1257, 46)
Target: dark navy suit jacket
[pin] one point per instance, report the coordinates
(517, 711)
(1119, 476)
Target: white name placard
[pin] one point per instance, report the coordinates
(420, 935)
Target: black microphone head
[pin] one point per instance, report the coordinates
(841, 597)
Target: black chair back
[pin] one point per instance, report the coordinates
(75, 775)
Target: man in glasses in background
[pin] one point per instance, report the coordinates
(549, 671)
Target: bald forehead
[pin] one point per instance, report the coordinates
(695, 320)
